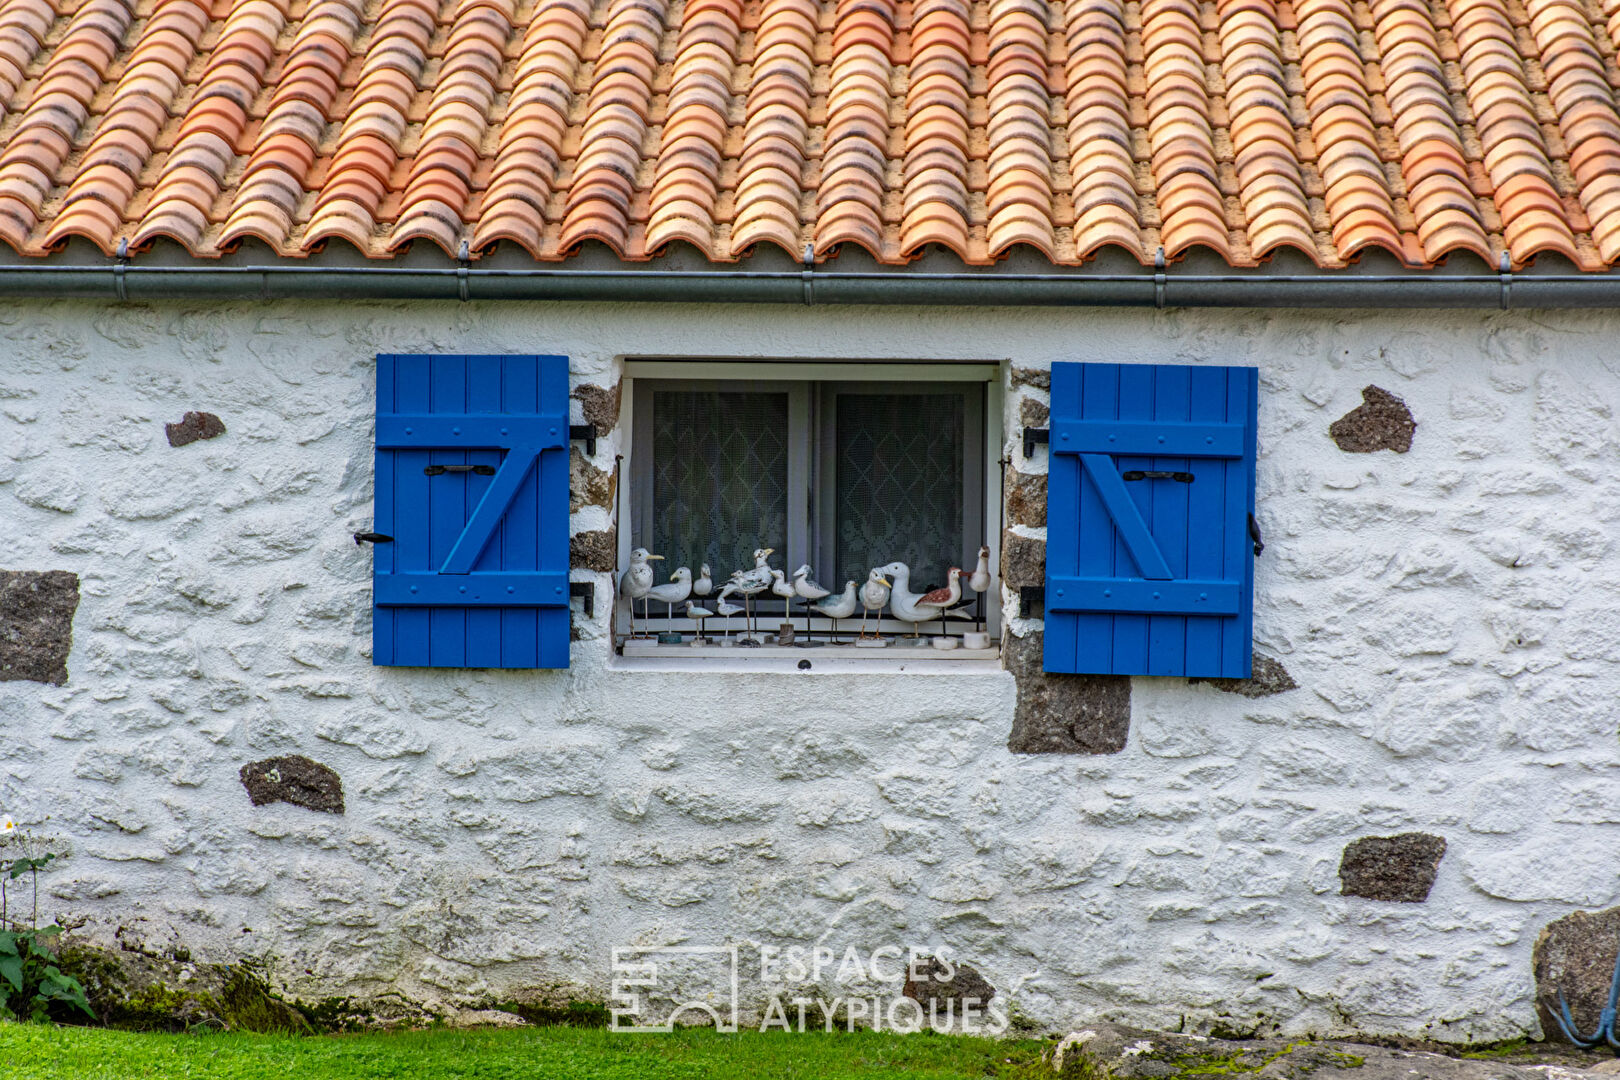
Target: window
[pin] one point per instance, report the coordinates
(843, 474)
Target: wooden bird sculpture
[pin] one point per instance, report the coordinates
(704, 585)
(942, 600)
(748, 584)
(979, 582)
(874, 597)
(781, 586)
(808, 591)
(636, 580)
(697, 615)
(906, 605)
(839, 608)
(677, 590)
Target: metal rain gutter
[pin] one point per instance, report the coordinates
(123, 280)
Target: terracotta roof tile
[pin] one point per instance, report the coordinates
(1422, 127)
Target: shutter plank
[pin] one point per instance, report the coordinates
(411, 624)
(555, 623)
(447, 510)
(1206, 502)
(520, 627)
(1237, 635)
(1167, 634)
(484, 624)
(384, 519)
(1131, 631)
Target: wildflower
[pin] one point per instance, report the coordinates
(7, 825)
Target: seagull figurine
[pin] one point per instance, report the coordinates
(750, 583)
(726, 610)
(677, 590)
(808, 591)
(697, 615)
(781, 586)
(636, 580)
(704, 585)
(874, 596)
(840, 607)
(979, 582)
(907, 605)
(942, 599)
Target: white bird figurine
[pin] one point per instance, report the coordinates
(704, 585)
(905, 603)
(979, 582)
(726, 610)
(941, 600)
(808, 591)
(697, 615)
(636, 580)
(750, 583)
(677, 590)
(839, 607)
(874, 597)
(781, 586)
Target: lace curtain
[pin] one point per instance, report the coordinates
(720, 469)
(899, 484)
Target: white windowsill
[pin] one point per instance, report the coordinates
(845, 658)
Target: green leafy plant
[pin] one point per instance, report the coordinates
(30, 981)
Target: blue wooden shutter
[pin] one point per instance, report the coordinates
(1150, 576)
(477, 573)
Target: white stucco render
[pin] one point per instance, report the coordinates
(1449, 614)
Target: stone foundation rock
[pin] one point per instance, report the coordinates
(1064, 714)
(1381, 422)
(1575, 956)
(36, 624)
(294, 779)
(1395, 868)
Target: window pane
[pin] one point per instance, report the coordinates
(720, 469)
(899, 479)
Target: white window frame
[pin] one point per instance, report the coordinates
(985, 488)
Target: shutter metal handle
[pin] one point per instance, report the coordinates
(481, 470)
(1254, 534)
(1157, 474)
(372, 538)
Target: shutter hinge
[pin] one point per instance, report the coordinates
(1031, 601)
(463, 257)
(586, 432)
(1033, 435)
(808, 274)
(372, 538)
(1254, 534)
(118, 269)
(586, 591)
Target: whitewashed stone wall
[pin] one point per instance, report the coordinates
(1450, 615)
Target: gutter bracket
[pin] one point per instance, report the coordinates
(1033, 435)
(1159, 279)
(586, 432)
(1504, 273)
(462, 258)
(586, 591)
(118, 270)
(807, 274)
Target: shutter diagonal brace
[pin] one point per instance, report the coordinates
(491, 509)
(1127, 518)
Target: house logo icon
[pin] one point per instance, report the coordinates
(656, 987)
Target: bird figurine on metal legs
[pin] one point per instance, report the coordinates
(781, 586)
(839, 608)
(676, 591)
(697, 615)
(874, 597)
(704, 585)
(750, 583)
(979, 582)
(941, 600)
(808, 591)
(726, 610)
(636, 580)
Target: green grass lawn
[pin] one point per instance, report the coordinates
(43, 1052)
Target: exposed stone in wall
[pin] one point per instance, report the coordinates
(600, 405)
(1040, 378)
(194, 426)
(1033, 413)
(1026, 499)
(1381, 422)
(36, 624)
(594, 551)
(1064, 714)
(1268, 677)
(956, 984)
(295, 779)
(588, 485)
(1575, 956)
(1023, 560)
(1396, 868)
